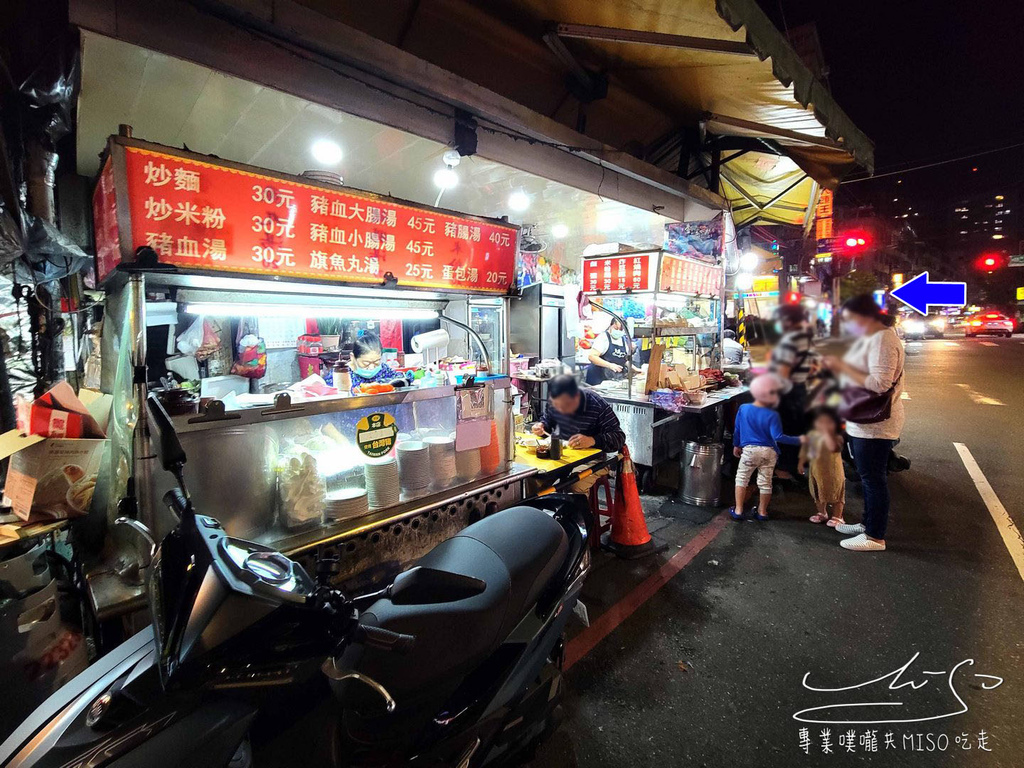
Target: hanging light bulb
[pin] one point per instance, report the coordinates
(558, 231)
(446, 178)
(519, 201)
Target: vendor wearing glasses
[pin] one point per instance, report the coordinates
(367, 367)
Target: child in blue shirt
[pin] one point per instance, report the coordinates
(756, 437)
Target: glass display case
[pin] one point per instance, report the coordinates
(301, 473)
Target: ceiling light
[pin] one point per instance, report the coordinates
(232, 309)
(559, 231)
(446, 178)
(997, 237)
(748, 261)
(607, 222)
(451, 157)
(519, 201)
(326, 152)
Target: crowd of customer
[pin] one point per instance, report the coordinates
(780, 434)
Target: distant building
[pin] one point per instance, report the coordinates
(986, 220)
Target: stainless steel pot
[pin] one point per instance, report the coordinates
(701, 470)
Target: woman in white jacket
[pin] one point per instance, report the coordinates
(874, 362)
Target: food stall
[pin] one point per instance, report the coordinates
(671, 305)
(198, 255)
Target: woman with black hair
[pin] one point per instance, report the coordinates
(367, 367)
(874, 366)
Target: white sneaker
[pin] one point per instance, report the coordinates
(850, 529)
(863, 544)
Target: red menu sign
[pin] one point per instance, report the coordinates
(201, 215)
(688, 276)
(617, 273)
(104, 217)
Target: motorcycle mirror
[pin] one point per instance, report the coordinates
(172, 455)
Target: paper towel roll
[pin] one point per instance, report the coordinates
(422, 342)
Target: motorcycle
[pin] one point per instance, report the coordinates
(252, 662)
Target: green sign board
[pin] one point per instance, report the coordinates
(1017, 260)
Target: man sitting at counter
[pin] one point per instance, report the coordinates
(583, 419)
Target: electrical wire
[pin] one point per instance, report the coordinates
(937, 163)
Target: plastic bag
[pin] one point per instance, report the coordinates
(191, 338)
(252, 357)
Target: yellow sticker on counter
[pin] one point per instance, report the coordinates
(376, 434)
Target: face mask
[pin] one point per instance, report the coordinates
(368, 373)
(851, 328)
(616, 335)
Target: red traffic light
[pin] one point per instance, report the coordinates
(791, 297)
(989, 262)
(854, 240)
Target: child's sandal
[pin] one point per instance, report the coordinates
(834, 521)
(818, 518)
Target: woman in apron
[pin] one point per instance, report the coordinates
(612, 361)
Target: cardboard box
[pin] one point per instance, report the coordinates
(50, 478)
(56, 454)
(58, 413)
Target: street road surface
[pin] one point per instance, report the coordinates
(710, 670)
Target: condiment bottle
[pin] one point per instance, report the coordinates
(342, 376)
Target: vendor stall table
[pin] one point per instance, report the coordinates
(655, 435)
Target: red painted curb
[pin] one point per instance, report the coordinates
(586, 640)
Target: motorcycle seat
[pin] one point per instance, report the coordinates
(515, 553)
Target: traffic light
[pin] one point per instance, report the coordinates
(791, 297)
(775, 246)
(854, 241)
(989, 262)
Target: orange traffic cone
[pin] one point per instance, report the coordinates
(629, 538)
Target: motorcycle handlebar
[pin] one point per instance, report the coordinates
(177, 502)
(384, 639)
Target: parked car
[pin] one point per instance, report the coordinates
(930, 327)
(994, 323)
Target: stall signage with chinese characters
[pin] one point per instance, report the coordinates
(688, 276)
(200, 215)
(376, 434)
(823, 232)
(617, 273)
(104, 217)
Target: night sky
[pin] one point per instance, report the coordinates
(925, 81)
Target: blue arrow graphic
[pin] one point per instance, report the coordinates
(919, 293)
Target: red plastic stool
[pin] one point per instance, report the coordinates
(597, 528)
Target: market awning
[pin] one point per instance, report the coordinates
(625, 94)
(639, 74)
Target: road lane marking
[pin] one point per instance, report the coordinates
(1004, 523)
(586, 640)
(989, 344)
(979, 398)
(904, 395)
(952, 343)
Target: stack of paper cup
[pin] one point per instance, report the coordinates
(442, 460)
(467, 464)
(413, 465)
(382, 487)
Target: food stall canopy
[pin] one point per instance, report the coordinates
(653, 68)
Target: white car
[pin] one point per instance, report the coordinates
(994, 323)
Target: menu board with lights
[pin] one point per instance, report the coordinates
(628, 272)
(689, 276)
(201, 213)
